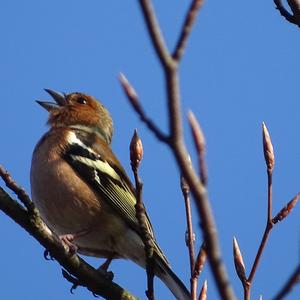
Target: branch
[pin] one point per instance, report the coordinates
(200, 146)
(270, 221)
(187, 28)
(200, 196)
(20, 192)
(136, 155)
(190, 236)
(155, 33)
(180, 152)
(134, 101)
(291, 282)
(95, 280)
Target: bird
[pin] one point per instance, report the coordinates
(82, 191)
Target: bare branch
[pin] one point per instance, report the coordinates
(136, 155)
(20, 192)
(270, 162)
(187, 28)
(155, 33)
(190, 237)
(190, 234)
(207, 221)
(180, 152)
(133, 99)
(288, 286)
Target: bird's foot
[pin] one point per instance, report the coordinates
(67, 240)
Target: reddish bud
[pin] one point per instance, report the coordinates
(268, 148)
(201, 259)
(203, 292)
(284, 212)
(197, 132)
(136, 150)
(238, 261)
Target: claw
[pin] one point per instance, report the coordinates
(70, 278)
(47, 255)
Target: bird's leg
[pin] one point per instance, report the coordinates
(67, 239)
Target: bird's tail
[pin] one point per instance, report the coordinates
(175, 285)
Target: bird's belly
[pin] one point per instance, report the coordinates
(72, 207)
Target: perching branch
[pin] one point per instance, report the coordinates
(97, 282)
(20, 192)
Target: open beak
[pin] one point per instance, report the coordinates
(59, 98)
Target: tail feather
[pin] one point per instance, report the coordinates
(175, 285)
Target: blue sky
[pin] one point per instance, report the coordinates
(240, 68)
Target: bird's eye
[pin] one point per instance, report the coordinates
(81, 100)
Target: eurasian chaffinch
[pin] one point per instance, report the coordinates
(82, 191)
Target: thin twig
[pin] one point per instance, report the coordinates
(155, 33)
(288, 286)
(136, 155)
(187, 28)
(190, 237)
(270, 163)
(20, 192)
(133, 99)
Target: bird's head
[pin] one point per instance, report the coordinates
(78, 110)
